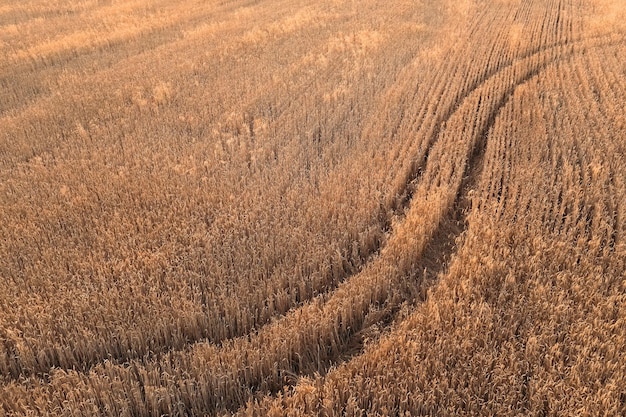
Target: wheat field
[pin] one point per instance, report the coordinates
(330, 208)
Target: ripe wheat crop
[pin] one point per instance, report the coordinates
(331, 208)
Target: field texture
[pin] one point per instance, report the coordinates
(336, 208)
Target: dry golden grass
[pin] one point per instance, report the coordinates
(328, 208)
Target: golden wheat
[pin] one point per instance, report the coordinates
(339, 208)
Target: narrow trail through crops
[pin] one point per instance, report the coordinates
(469, 126)
(486, 98)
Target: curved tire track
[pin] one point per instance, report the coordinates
(441, 244)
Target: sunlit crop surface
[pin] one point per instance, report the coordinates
(335, 208)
